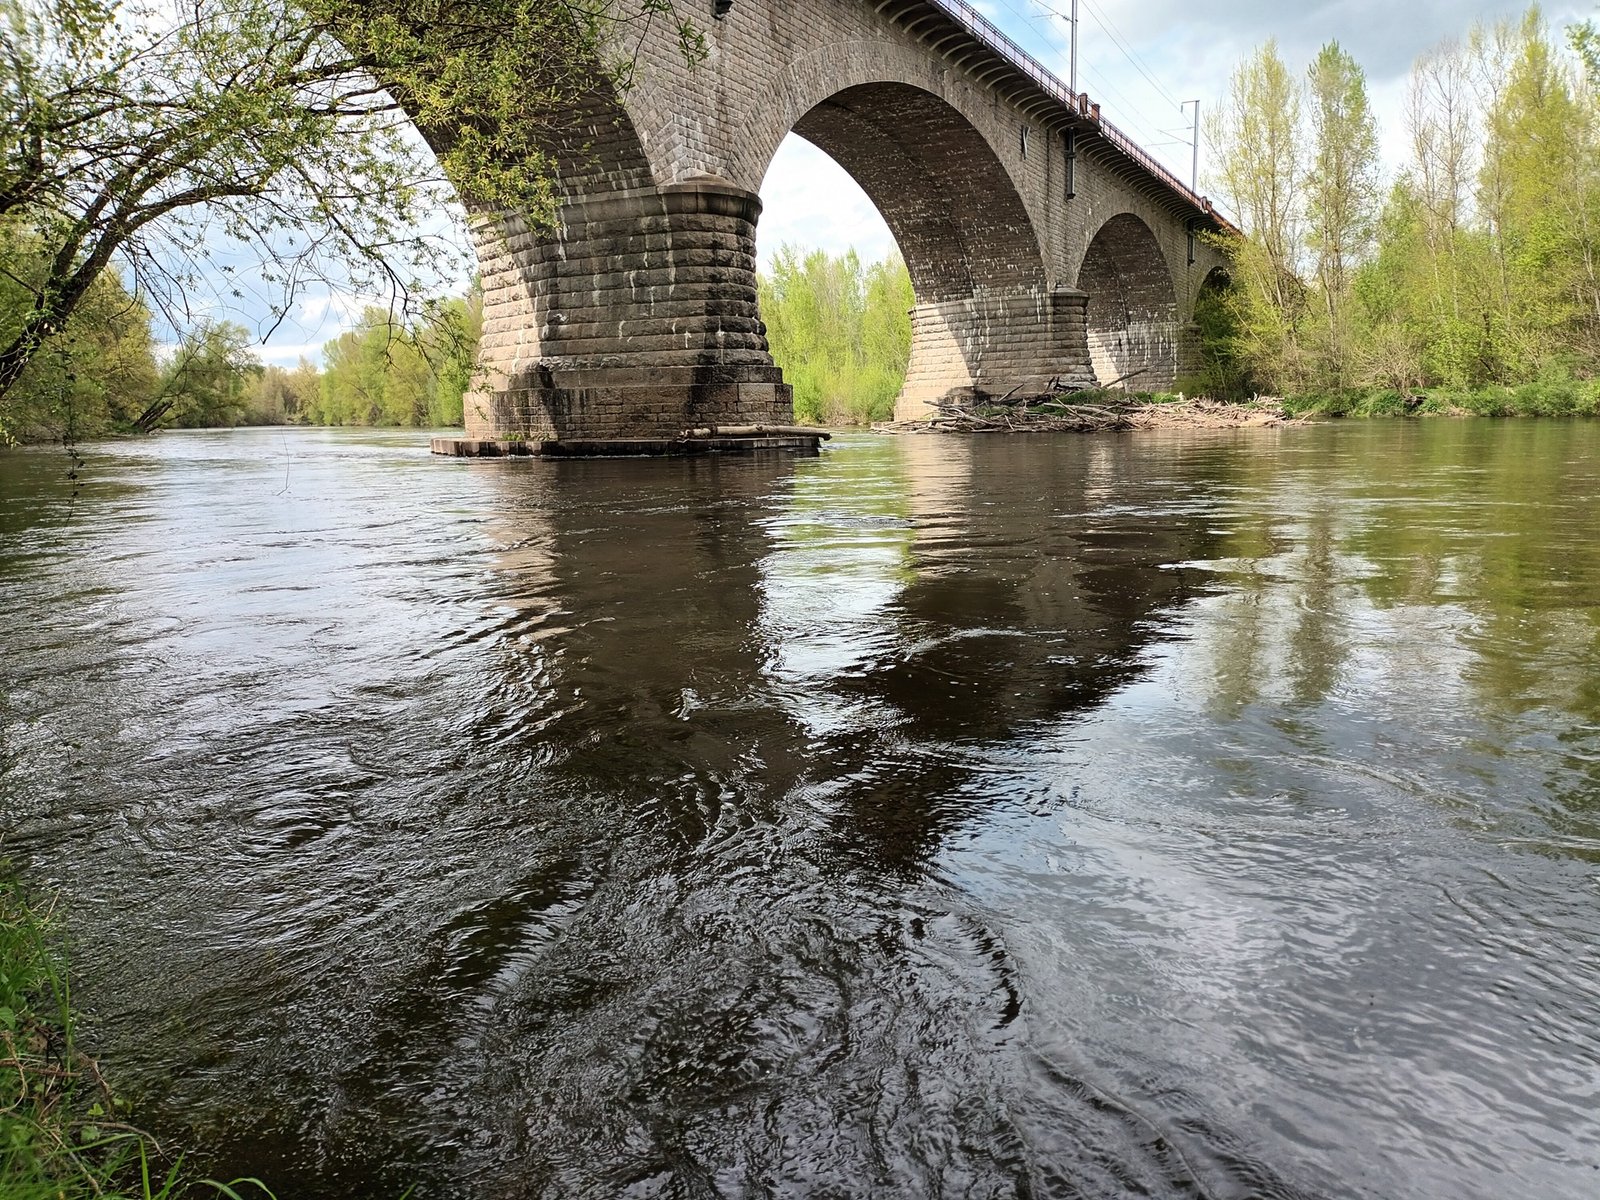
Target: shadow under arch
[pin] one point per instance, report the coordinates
(1132, 307)
(941, 189)
(969, 243)
(1218, 281)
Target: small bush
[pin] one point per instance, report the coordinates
(1319, 404)
(1556, 394)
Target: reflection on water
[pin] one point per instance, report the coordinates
(1086, 817)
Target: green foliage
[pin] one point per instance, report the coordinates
(1223, 366)
(1584, 38)
(1553, 395)
(212, 378)
(492, 82)
(100, 375)
(1261, 172)
(841, 332)
(284, 397)
(1341, 201)
(1463, 289)
(386, 373)
(97, 374)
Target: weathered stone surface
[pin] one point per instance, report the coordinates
(637, 315)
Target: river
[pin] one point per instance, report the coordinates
(1208, 815)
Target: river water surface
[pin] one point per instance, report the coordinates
(1172, 816)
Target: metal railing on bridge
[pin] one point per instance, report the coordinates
(991, 35)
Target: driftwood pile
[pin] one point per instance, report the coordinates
(1093, 412)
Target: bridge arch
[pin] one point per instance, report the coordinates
(1132, 307)
(636, 315)
(943, 192)
(961, 225)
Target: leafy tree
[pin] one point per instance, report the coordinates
(1540, 192)
(450, 346)
(155, 136)
(212, 377)
(1393, 292)
(285, 397)
(386, 373)
(1584, 38)
(1430, 242)
(1341, 191)
(97, 375)
(1220, 370)
(1260, 174)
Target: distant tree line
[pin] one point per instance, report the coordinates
(841, 331)
(105, 373)
(1472, 281)
(839, 328)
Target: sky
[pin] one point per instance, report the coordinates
(1137, 58)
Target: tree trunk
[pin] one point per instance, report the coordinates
(14, 359)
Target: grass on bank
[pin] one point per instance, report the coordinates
(1554, 397)
(64, 1134)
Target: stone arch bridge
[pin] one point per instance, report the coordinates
(1042, 243)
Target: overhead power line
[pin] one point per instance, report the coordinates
(1108, 27)
(1127, 113)
(1139, 64)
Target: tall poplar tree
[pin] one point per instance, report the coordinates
(1445, 310)
(1341, 193)
(1259, 173)
(1540, 189)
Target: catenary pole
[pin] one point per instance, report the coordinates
(1194, 142)
(1074, 72)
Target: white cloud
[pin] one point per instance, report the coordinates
(1141, 58)
(811, 201)
(288, 354)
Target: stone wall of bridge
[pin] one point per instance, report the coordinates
(637, 316)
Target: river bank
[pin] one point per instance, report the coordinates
(63, 1131)
(1107, 411)
(1555, 397)
(1115, 411)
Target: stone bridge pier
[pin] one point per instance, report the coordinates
(636, 318)
(1042, 244)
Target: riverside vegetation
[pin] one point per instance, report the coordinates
(105, 373)
(1470, 284)
(64, 1134)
